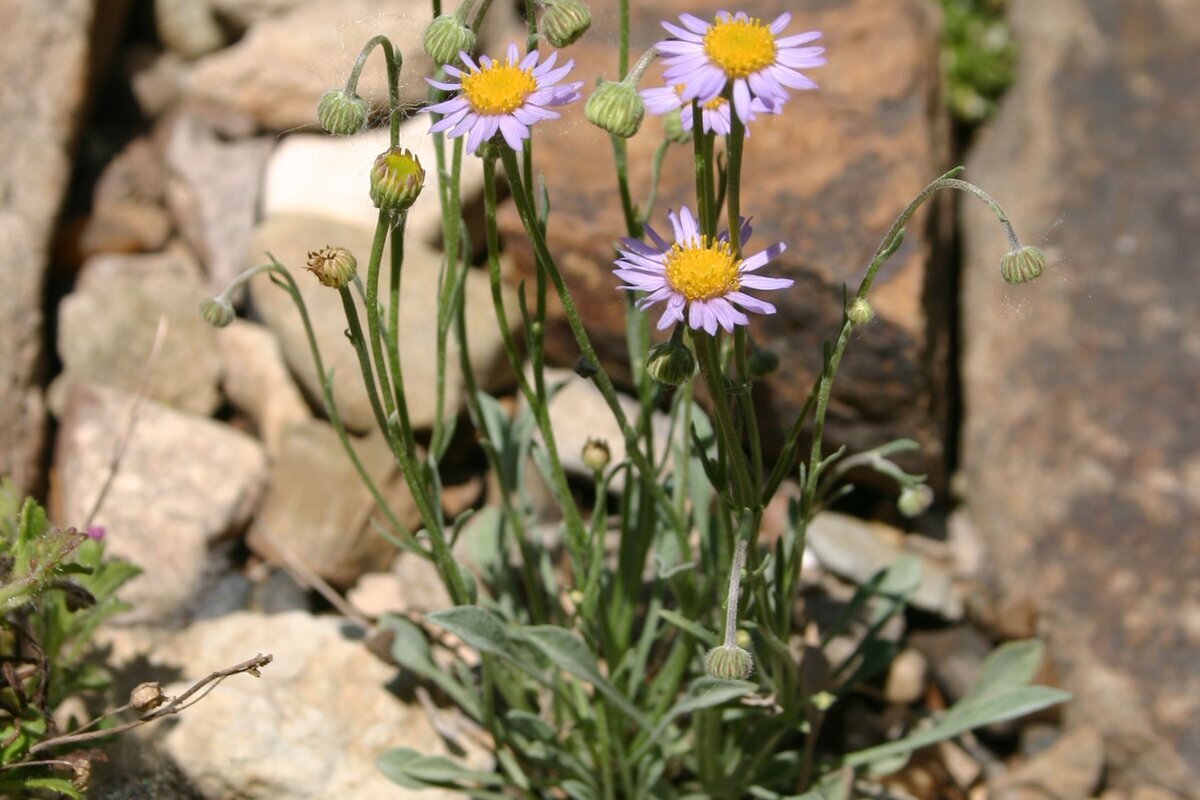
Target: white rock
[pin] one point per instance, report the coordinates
(183, 483)
(310, 727)
(256, 380)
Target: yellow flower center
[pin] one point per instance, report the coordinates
(714, 104)
(740, 47)
(498, 89)
(703, 269)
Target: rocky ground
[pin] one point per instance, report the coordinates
(155, 149)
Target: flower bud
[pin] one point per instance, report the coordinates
(595, 454)
(673, 128)
(396, 180)
(217, 311)
(445, 37)
(860, 312)
(915, 500)
(728, 663)
(334, 266)
(565, 21)
(670, 363)
(617, 108)
(1022, 266)
(147, 696)
(341, 114)
(762, 363)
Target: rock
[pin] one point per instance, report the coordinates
(125, 227)
(578, 412)
(108, 324)
(214, 194)
(156, 78)
(857, 549)
(278, 593)
(240, 15)
(906, 677)
(955, 656)
(188, 27)
(1080, 448)
(290, 237)
(279, 70)
(256, 381)
(329, 176)
(310, 727)
(412, 586)
(828, 177)
(1071, 767)
(318, 508)
(183, 483)
(47, 56)
(1145, 792)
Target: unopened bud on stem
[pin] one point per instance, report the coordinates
(341, 114)
(565, 21)
(334, 267)
(448, 35)
(1023, 264)
(730, 662)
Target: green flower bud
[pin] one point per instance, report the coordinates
(334, 266)
(595, 454)
(915, 500)
(859, 312)
(341, 114)
(1022, 266)
(617, 108)
(396, 180)
(445, 37)
(670, 363)
(762, 363)
(565, 21)
(217, 311)
(673, 128)
(729, 663)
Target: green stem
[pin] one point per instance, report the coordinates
(730, 443)
(372, 308)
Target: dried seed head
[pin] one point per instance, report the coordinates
(147, 696)
(595, 454)
(334, 266)
(217, 311)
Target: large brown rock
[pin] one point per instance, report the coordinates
(43, 67)
(827, 177)
(1081, 447)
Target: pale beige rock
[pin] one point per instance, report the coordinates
(906, 677)
(411, 586)
(107, 328)
(188, 27)
(257, 382)
(290, 237)
(318, 507)
(311, 727)
(183, 483)
(1071, 767)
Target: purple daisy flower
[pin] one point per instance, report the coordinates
(697, 275)
(714, 115)
(739, 49)
(501, 96)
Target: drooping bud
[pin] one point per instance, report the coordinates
(1022, 265)
(565, 21)
(728, 663)
(334, 267)
(217, 311)
(595, 454)
(396, 180)
(670, 363)
(616, 107)
(341, 114)
(673, 127)
(915, 500)
(860, 312)
(446, 37)
(762, 363)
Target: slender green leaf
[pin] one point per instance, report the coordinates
(1010, 664)
(479, 628)
(417, 771)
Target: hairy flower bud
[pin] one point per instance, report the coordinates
(445, 37)
(673, 128)
(670, 363)
(334, 266)
(341, 114)
(860, 312)
(565, 21)
(728, 663)
(595, 454)
(1023, 265)
(915, 500)
(617, 108)
(396, 180)
(217, 311)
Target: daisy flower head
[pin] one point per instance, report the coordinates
(742, 52)
(714, 114)
(505, 97)
(700, 278)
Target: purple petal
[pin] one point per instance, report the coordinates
(751, 303)
(764, 283)
(694, 23)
